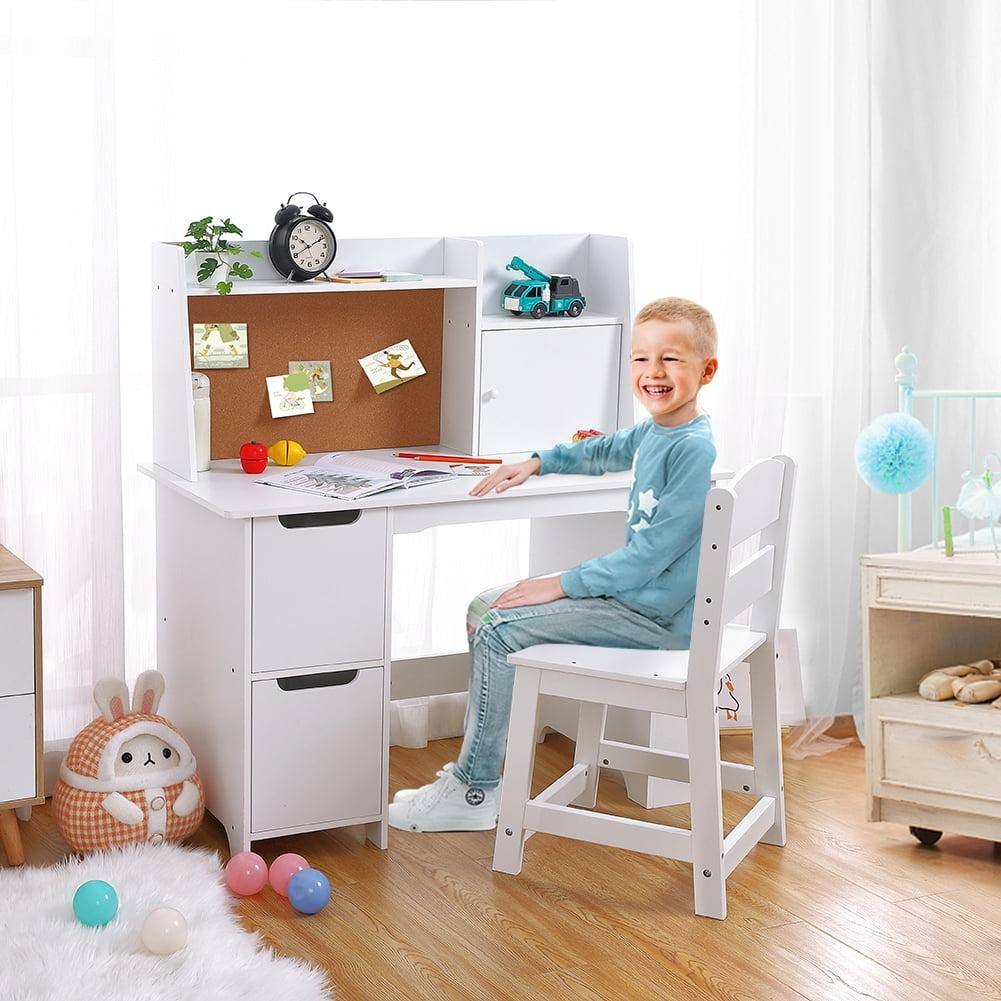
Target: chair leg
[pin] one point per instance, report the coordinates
(766, 738)
(590, 730)
(509, 845)
(707, 812)
(10, 835)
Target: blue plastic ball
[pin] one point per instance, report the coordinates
(308, 891)
(95, 903)
(894, 454)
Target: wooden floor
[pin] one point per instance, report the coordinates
(845, 910)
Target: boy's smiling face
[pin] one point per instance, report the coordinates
(668, 371)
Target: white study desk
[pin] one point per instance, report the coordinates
(273, 619)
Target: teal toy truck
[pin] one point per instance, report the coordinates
(540, 294)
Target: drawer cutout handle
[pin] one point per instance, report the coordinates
(329, 679)
(318, 519)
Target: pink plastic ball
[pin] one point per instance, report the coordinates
(246, 873)
(283, 869)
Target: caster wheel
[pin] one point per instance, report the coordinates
(926, 837)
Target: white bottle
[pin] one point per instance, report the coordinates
(203, 420)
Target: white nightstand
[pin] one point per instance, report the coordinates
(21, 784)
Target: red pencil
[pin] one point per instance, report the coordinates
(465, 459)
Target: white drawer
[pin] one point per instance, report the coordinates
(319, 589)
(17, 642)
(941, 763)
(17, 759)
(539, 385)
(317, 749)
(968, 595)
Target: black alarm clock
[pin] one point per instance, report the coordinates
(302, 246)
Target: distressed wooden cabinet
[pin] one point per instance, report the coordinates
(21, 784)
(935, 766)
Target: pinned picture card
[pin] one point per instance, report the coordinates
(321, 385)
(220, 345)
(289, 395)
(392, 366)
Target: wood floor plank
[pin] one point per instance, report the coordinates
(823, 969)
(847, 910)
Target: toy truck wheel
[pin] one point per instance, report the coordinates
(926, 836)
(575, 309)
(516, 312)
(539, 311)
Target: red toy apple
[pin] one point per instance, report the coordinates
(253, 456)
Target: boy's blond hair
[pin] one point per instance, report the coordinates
(671, 309)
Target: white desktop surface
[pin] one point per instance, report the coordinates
(231, 493)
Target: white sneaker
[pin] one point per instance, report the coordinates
(404, 794)
(447, 804)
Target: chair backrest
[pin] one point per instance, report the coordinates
(757, 501)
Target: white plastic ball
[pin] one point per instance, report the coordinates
(165, 931)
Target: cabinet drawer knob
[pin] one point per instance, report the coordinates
(490, 394)
(985, 750)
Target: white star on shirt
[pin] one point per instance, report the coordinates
(647, 503)
(640, 525)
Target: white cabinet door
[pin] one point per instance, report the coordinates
(17, 755)
(319, 589)
(17, 642)
(317, 749)
(539, 385)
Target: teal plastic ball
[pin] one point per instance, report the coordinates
(95, 903)
(308, 891)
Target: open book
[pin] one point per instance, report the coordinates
(348, 476)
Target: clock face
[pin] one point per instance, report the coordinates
(311, 246)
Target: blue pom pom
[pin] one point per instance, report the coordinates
(894, 454)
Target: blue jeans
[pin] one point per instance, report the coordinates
(496, 632)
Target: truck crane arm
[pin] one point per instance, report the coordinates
(517, 264)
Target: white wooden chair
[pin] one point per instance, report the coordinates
(679, 683)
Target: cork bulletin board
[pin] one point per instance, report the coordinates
(341, 326)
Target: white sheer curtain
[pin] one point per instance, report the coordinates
(937, 223)
(727, 139)
(60, 457)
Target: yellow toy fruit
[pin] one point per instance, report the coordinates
(286, 453)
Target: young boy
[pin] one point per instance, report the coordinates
(640, 596)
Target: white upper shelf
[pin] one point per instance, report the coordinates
(279, 287)
(508, 321)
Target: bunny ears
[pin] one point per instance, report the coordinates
(112, 695)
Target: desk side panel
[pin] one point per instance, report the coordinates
(203, 647)
(173, 417)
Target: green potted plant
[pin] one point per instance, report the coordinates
(209, 241)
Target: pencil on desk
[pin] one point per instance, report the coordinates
(464, 459)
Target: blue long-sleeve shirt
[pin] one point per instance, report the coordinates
(655, 571)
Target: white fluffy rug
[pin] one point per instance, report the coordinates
(47, 955)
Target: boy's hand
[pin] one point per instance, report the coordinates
(507, 476)
(537, 591)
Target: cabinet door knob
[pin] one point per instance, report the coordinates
(490, 394)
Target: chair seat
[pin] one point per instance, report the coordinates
(660, 668)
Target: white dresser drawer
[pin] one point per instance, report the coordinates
(319, 583)
(17, 753)
(317, 749)
(539, 385)
(939, 754)
(17, 642)
(971, 595)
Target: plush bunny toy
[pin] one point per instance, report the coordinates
(128, 776)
